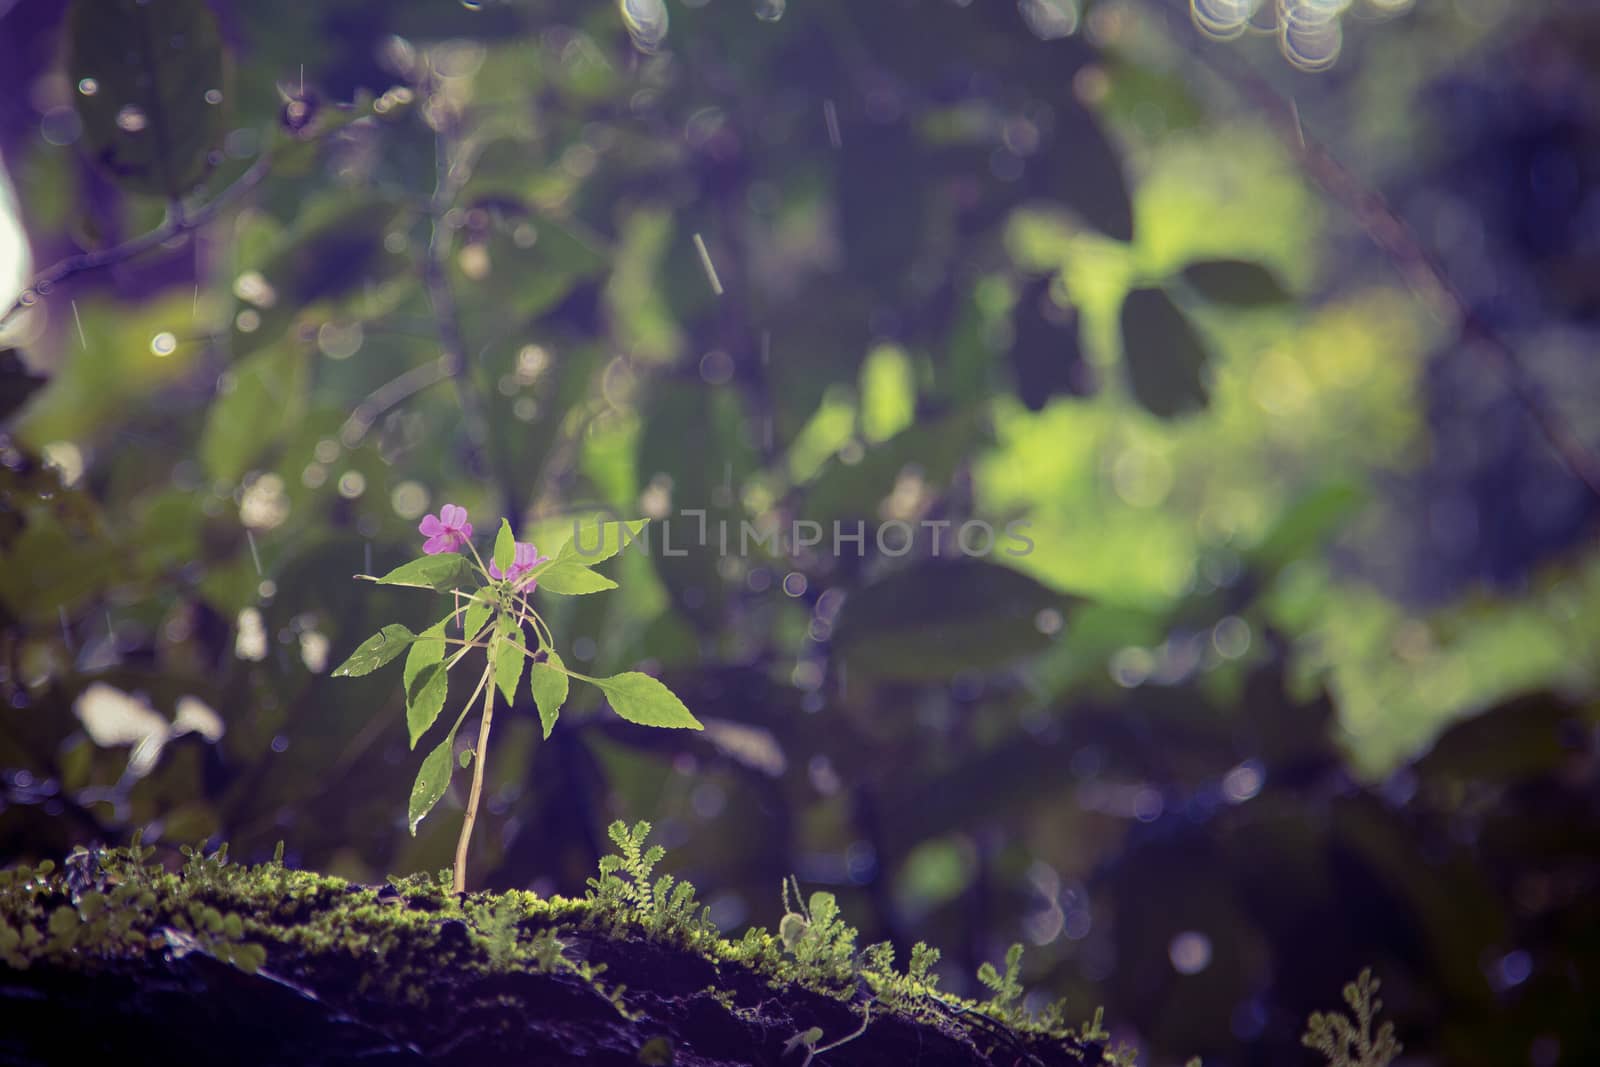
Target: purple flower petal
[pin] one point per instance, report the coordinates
(430, 526)
(453, 516)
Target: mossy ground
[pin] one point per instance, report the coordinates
(113, 954)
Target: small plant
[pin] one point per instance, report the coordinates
(823, 944)
(1007, 987)
(1351, 1043)
(493, 613)
(666, 907)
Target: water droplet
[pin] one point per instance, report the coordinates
(213, 96)
(646, 21)
(27, 298)
(163, 343)
(770, 10)
(88, 87)
(131, 119)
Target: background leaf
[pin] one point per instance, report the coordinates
(938, 618)
(1164, 356)
(147, 123)
(1236, 282)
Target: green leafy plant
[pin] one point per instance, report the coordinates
(493, 614)
(665, 907)
(1006, 987)
(1350, 1042)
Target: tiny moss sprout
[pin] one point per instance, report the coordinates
(493, 613)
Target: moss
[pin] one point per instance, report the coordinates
(411, 941)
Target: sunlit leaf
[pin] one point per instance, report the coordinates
(509, 660)
(426, 650)
(441, 573)
(433, 778)
(642, 699)
(474, 617)
(597, 542)
(549, 683)
(376, 651)
(1165, 357)
(505, 547)
(571, 577)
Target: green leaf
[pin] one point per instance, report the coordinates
(465, 758)
(1164, 355)
(265, 401)
(505, 547)
(642, 699)
(425, 698)
(441, 573)
(509, 658)
(427, 649)
(474, 618)
(1235, 282)
(433, 778)
(549, 683)
(147, 122)
(375, 651)
(597, 542)
(568, 577)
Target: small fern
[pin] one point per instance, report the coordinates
(1351, 1043)
(822, 943)
(1007, 987)
(624, 894)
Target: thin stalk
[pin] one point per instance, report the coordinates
(479, 756)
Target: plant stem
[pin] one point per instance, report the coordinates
(478, 757)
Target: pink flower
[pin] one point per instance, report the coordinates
(527, 557)
(447, 531)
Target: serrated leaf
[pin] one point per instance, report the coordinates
(569, 577)
(505, 547)
(642, 699)
(1164, 356)
(376, 651)
(509, 659)
(1236, 282)
(549, 684)
(427, 649)
(440, 573)
(425, 698)
(433, 778)
(597, 542)
(147, 123)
